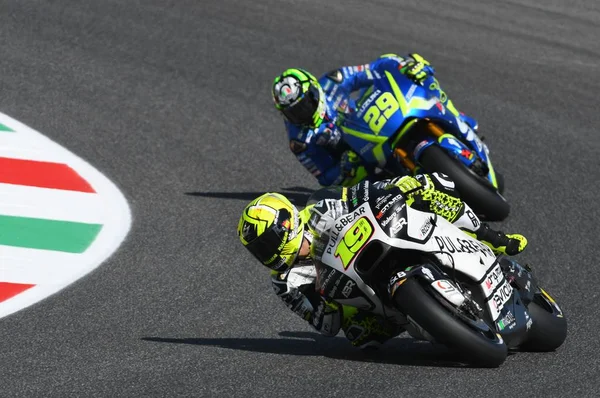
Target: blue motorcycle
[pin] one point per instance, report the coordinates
(400, 127)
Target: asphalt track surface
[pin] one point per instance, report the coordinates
(170, 99)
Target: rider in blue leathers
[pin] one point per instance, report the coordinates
(311, 108)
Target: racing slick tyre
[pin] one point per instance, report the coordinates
(473, 340)
(549, 328)
(479, 193)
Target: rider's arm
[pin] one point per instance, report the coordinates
(296, 288)
(348, 168)
(412, 65)
(323, 154)
(318, 157)
(352, 78)
(436, 193)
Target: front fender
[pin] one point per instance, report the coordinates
(458, 150)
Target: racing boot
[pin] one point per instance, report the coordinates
(367, 331)
(498, 241)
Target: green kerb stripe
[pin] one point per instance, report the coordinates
(6, 128)
(36, 233)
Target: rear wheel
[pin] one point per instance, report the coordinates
(549, 328)
(479, 193)
(472, 339)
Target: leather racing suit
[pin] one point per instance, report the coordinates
(322, 150)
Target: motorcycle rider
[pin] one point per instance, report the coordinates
(311, 107)
(281, 237)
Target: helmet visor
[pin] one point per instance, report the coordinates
(302, 112)
(267, 247)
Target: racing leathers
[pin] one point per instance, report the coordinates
(297, 286)
(322, 150)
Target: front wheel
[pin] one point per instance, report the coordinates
(481, 196)
(474, 340)
(549, 325)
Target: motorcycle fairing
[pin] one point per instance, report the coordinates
(419, 231)
(369, 130)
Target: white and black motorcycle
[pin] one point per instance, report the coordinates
(422, 272)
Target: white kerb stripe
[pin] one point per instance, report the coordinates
(29, 145)
(23, 265)
(52, 204)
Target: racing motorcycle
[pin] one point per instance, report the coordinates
(400, 127)
(420, 271)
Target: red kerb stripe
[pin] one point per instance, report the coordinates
(8, 290)
(42, 174)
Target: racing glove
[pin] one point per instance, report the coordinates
(327, 317)
(416, 68)
(328, 136)
(407, 184)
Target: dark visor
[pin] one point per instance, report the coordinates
(301, 113)
(266, 246)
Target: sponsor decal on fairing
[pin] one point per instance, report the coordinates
(499, 298)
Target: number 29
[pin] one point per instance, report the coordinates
(379, 113)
